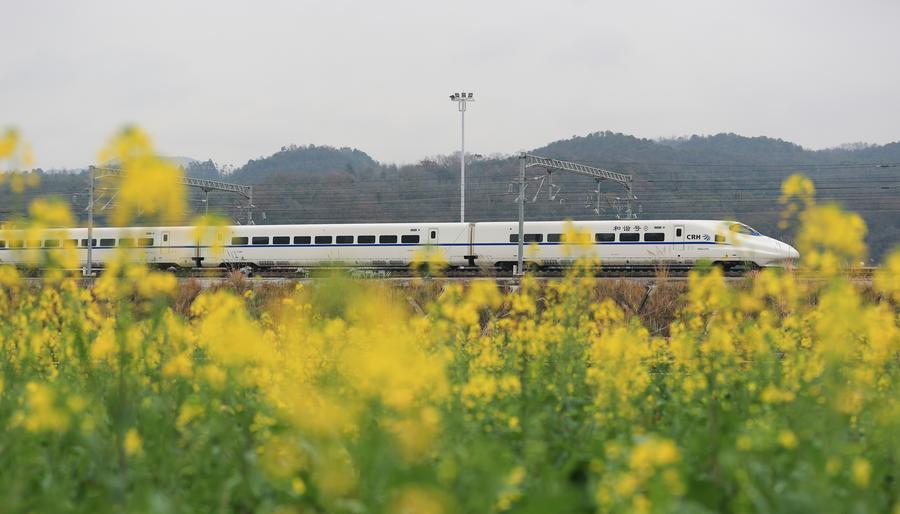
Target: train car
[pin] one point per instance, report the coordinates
(623, 243)
(636, 243)
(157, 246)
(370, 244)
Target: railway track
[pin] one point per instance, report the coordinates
(472, 273)
(212, 276)
(455, 274)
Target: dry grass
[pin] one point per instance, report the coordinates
(656, 304)
(185, 296)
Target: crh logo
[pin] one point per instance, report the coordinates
(695, 237)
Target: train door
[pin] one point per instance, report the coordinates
(432, 249)
(165, 247)
(678, 243)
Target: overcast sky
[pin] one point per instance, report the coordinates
(235, 80)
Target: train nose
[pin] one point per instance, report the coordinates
(789, 252)
(792, 252)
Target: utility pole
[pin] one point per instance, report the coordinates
(461, 99)
(249, 205)
(520, 270)
(89, 270)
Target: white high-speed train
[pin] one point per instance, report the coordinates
(622, 243)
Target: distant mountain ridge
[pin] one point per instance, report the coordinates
(602, 147)
(724, 148)
(723, 176)
(605, 148)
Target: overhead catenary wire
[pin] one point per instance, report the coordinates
(675, 191)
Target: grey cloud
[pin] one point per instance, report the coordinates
(233, 80)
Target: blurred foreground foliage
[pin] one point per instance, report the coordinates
(346, 396)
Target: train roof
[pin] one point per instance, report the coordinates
(427, 224)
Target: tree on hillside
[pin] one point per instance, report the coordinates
(205, 169)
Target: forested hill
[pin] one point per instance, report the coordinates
(609, 149)
(720, 149)
(725, 176)
(293, 160)
(721, 176)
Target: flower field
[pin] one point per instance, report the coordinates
(776, 394)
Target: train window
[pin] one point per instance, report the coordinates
(2, 244)
(629, 237)
(554, 238)
(281, 240)
(16, 244)
(84, 242)
(529, 238)
(387, 239)
(323, 240)
(302, 240)
(677, 232)
(654, 236)
(70, 243)
(127, 242)
(740, 228)
(344, 240)
(108, 242)
(365, 240)
(434, 234)
(145, 241)
(260, 240)
(166, 238)
(604, 237)
(51, 243)
(409, 239)
(720, 238)
(239, 241)
(33, 244)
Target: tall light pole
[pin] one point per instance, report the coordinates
(461, 99)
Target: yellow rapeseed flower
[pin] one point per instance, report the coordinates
(187, 413)
(830, 238)
(9, 141)
(298, 486)
(150, 186)
(133, 444)
(41, 412)
(861, 471)
(887, 278)
(787, 439)
(417, 500)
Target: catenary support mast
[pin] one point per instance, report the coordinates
(551, 165)
(206, 186)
